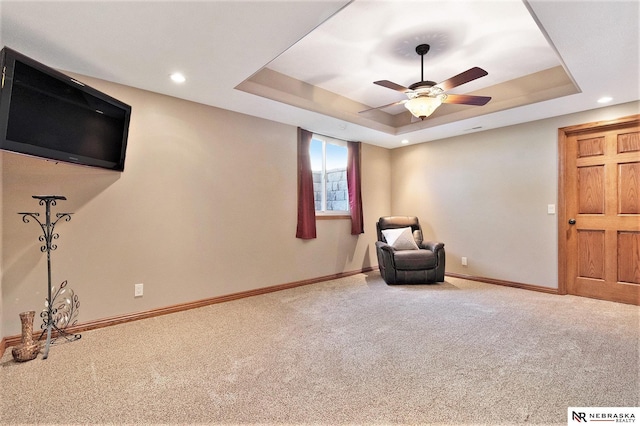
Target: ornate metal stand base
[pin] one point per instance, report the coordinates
(60, 311)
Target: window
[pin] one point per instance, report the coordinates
(329, 166)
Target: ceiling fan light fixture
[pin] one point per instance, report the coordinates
(423, 106)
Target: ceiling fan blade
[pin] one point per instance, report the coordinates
(384, 106)
(462, 78)
(391, 85)
(467, 99)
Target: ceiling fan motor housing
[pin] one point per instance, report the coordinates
(426, 88)
(422, 85)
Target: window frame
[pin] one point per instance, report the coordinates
(330, 214)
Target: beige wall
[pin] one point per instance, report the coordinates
(485, 195)
(206, 207)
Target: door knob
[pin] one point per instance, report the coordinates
(572, 221)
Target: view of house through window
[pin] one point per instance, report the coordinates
(329, 166)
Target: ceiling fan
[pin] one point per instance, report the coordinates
(425, 96)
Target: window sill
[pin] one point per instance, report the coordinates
(330, 216)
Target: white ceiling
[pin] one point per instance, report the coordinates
(340, 47)
(370, 41)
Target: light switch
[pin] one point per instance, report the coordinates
(551, 209)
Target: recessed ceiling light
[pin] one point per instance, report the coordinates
(404, 141)
(605, 99)
(178, 77)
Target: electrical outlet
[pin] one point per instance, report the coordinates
(138, 290)
(464, 261)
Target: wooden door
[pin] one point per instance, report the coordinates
(599, 223)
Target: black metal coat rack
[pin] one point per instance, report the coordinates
(54, 314)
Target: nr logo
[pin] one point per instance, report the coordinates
(579, 417)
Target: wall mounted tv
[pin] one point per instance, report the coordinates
(47, 114)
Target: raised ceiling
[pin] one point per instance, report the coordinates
(312, 63)
(331, 70)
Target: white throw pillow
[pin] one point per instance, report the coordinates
(400, 238)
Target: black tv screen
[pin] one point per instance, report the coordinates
(48, 114)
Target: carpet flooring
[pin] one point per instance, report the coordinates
(351, 351)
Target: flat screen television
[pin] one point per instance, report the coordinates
(48, 114)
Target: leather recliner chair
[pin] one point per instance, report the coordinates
(423, 264)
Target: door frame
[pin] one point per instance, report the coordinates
(563, 225)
